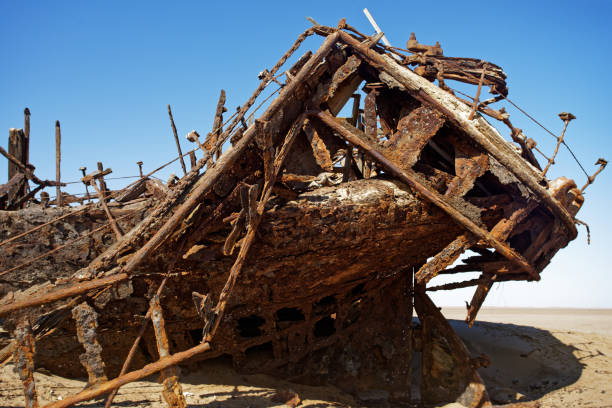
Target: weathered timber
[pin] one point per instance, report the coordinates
(86, 320)
(448, 371)
(176, 140)
(444, 258)
(172, 392)
(17, 148)
(128, 359)
(58, 161)
(24, 361)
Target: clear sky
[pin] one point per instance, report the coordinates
(108, 69)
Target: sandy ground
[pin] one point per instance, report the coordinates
(556, 357)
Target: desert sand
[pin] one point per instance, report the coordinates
(550, 357)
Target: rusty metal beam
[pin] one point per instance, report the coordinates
(86, 320)
(23, 357)
(172, 391)
(58, 294)
(444, 258)
(136, 375)
(356, 137)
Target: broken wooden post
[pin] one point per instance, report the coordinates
(218, 121)
(448, 371)
(194, 137)
(23, 358)
(91, 179)
(132, 352)
(102, 182)
(176, 139)
(18, 149)
(86, 320)
(83, 169)
(58, 159)
(172, 392)
(477, 98)
(26, 131)
(566, 118)
(139, 163)
(192, 159)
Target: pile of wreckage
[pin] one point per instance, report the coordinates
(301, 250)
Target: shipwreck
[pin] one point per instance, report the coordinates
(300, 243)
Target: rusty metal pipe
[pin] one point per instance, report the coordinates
(72, 290)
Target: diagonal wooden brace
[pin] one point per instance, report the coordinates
(445, 258)
(91, 180)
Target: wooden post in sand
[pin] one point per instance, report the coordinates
(58, 160)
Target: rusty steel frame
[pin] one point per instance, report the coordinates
(353, 136)
(252, 212)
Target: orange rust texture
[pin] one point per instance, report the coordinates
(24, 361)
(413, 132)
(172, 391)
(86, 320)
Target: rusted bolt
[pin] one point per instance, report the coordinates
(139, 163)
(566, 117)
(530, 143)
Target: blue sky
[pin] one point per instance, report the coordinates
(107, 70)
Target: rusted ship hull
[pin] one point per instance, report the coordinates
(293, 262)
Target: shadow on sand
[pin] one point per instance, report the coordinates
(526, 362)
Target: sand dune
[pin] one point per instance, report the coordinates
(554, 357)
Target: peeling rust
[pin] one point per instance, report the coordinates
(172, 391)
(24, 361)
(86, 320)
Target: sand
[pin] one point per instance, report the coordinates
(554, 357)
